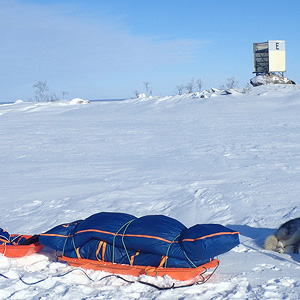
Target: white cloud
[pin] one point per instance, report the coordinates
(56, 41)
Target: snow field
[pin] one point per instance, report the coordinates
(233, 160)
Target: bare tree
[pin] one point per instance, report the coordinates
(146, 84)
(179, 89)
(42, 92)
(247, 88)
(199, 84)
(190, 86)
(231, 83)
(52, 97)
(41, 89)
(64, 94)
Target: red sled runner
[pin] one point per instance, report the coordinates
(17, 249)
(181, 274)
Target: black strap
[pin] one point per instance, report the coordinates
(32, 240)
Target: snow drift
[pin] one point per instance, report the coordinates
(229, 159)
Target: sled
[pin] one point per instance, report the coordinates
(20, 250)
(181, 274)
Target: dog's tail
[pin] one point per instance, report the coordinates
(271, 242)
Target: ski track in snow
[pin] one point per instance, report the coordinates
(233, 160)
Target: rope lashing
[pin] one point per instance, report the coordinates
(113, 252)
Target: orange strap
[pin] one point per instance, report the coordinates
(210, 235)
(18, 240)
(151, 269)
(163, 260)
(77, 252)
(4, 241)
(124, 235)
(103, 246)
(133, 256)
(103, 251)
(98, 249)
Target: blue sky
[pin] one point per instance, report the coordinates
(96, 49)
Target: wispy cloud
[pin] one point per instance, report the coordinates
(42, 41)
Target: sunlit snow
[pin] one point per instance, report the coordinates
(228, 159)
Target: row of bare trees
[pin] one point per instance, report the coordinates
(43, 93)
(231, 83)
(194, 85)
(147, 89)
(179, 89)
(189, 87)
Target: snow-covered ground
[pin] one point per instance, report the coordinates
(232, 160)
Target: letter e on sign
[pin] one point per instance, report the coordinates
(277, 46)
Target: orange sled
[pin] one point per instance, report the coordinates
(175, 273)
(20, 250)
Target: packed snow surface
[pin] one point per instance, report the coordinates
(232, 160)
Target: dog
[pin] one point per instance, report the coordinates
(286, 238)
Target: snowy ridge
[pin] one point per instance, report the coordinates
(229, 159)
